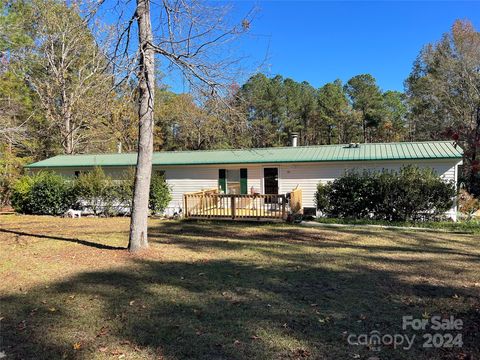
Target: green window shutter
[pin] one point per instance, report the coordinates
(243, 181)
(222, 181)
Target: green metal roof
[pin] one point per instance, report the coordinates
(322, 153)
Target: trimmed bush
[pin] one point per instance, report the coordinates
(123, 189)
(47, 193)
(20, 198)
(44, 193)
(11, 167)
(322, 197)
(410, 194)
(95, 190)
(160, 194)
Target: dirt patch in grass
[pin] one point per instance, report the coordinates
(207, 290)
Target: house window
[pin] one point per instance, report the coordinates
(233, 181)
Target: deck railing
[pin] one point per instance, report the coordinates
(211, 204)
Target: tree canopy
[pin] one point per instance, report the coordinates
(58, 94)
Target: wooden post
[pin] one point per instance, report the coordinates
(232, 205)
(257, 207)
(283, 206)
(185, 211)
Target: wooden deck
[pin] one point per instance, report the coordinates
(239, 213)
(210, 204)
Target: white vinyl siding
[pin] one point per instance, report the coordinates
(184, 179)
(188, 179)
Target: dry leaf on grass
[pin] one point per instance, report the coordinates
(103, 331)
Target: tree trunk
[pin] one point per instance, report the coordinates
(138, 223)
(68, 147)
(364, 126)
(67, 123)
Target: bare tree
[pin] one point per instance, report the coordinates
(146, 87)
(191, 37)
(68, 71)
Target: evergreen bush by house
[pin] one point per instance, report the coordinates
(410, 194)
(95, 190)
(20, 199)
(45, 193)
(123, 191)
(160, 194)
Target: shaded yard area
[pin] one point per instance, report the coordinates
(205, 290)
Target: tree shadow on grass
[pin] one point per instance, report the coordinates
(62, 238)
(233, 235)
(226, 309)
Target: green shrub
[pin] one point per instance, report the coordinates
(410, 194)
(421, 195)
(160, 194)
(123, 190)
(352, 195)
(322, 198)
(50, 195)
(47, 193)
(20, 198)
(96, 190)
(5, 191)
(44, 193)
(11, 168)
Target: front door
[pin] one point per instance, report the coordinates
(270, 180)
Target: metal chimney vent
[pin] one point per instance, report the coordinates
(294, 139)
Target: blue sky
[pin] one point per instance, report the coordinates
(320, 41)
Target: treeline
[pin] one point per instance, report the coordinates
(357, 111)
(60, 94)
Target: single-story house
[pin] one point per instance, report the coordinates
(268, 170)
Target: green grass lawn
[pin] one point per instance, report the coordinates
(204, 290)
(465, 226)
